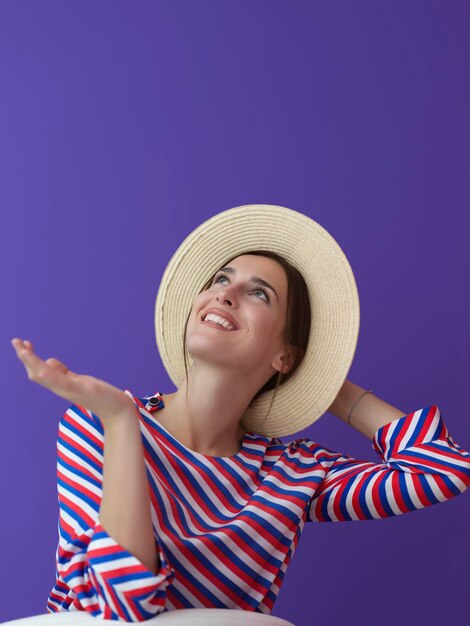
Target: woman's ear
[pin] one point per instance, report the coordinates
(283, 362)
(288, 362)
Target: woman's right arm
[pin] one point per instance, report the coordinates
(117, 571)
(106, 569)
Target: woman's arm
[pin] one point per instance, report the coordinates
(94, 572)
(368, 415)
(125, 504)
(421, 465)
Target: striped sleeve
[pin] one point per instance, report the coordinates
(94, 572)
(422, 465)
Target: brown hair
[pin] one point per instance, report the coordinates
(298, 319)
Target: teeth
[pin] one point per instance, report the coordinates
(219, 320)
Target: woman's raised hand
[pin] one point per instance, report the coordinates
(104, 400)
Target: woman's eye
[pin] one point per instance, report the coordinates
(264, 293)
(216, 280)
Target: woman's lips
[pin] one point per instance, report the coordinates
(215, 325)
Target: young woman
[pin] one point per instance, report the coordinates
(190, 499)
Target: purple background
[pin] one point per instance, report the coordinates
(124, 125)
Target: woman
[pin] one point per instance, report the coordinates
(191, 499)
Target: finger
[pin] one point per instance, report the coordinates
(34, 364)
(19, 343)
(25, 348)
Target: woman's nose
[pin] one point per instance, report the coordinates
(225, 298)
(227, 293)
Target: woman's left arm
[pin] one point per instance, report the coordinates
(369, 414)
(421, 463)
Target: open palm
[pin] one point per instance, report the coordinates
(104, 400)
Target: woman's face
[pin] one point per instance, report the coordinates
(258, 311)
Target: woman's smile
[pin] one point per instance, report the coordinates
(219, 326)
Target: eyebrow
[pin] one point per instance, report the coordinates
(254, 279)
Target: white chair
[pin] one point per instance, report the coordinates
(180, 617)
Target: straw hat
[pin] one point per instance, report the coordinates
(334, 302)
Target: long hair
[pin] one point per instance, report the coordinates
(297, 328)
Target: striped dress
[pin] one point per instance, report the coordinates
(226, 528)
